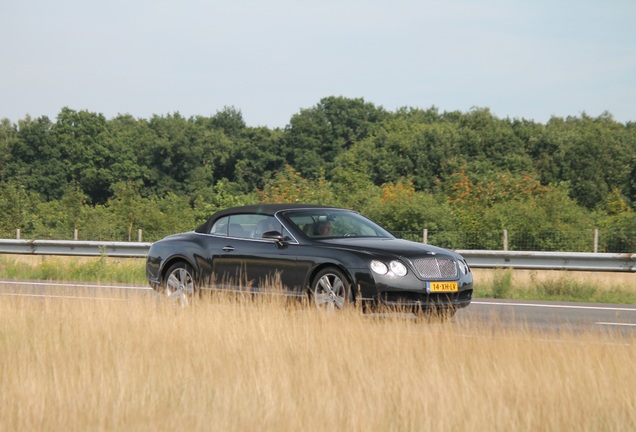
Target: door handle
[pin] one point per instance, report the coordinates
(228, 249)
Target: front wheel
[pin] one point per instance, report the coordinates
(330, 289)
(178, 284)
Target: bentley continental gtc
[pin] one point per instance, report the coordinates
(333, 256)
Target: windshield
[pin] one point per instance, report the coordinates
(332, 223)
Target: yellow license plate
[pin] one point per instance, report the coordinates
(441, 287)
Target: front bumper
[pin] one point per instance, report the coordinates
(425, 300)
(410, 292)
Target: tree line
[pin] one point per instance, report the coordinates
(410, 168)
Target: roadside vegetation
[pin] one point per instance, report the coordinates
(234, 365)
(591, 287)
(74, 269)
(499, 284)
(456, 174)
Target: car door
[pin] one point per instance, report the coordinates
(246, 261)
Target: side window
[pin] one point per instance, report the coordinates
(287, 236)
(248, 226)
(265, 224)
(233, 226)
(239, 226)
(220, 226)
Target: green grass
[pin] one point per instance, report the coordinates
(98, 269)
(558, 287)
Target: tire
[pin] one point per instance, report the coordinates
(179, 285)
(330, 290)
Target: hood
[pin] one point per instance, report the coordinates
(383, 246)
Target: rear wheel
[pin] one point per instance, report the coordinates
(178, 285)
(330, 289)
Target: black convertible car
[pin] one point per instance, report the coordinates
(335, 256)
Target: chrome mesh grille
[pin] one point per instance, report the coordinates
(430, 268)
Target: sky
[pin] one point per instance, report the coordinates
(530, 59)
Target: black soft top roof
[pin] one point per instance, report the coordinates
(264, 209)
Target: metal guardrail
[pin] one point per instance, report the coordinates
(575, 261)
(74, 248)
(581, 261)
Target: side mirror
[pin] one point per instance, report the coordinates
(275, 235)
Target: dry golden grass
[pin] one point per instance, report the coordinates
(228, 365)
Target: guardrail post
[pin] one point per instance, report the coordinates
(17, 234)
(139, 235)
(425, 236)
(505, 240)
(595, 240)
(75, 234)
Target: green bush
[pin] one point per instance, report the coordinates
(502, 284)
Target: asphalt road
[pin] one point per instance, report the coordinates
(553, 316)
(535, 315)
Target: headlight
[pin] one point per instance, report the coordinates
(395, 268)
(463, 268)
(379, 267)
(398, 268)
